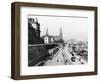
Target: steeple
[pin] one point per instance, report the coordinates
(47, 32)
(36, 20)
(61, 33)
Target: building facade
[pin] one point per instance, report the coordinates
(52, 38)
(34, 31)
(48, 38)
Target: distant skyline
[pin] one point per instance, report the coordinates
(72, 27)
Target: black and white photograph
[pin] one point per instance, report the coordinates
(57, 40)
(53, 40)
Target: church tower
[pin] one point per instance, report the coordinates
(47, 32)
(61, 36)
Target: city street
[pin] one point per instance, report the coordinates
(63, 57)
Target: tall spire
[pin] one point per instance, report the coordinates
(61, 33)
(36, 19)
(47, 32)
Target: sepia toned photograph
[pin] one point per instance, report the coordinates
(57, 40)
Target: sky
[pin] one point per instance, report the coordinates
(72, 27)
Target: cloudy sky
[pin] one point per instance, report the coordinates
(72, 27)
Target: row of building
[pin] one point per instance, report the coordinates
(34, 34)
